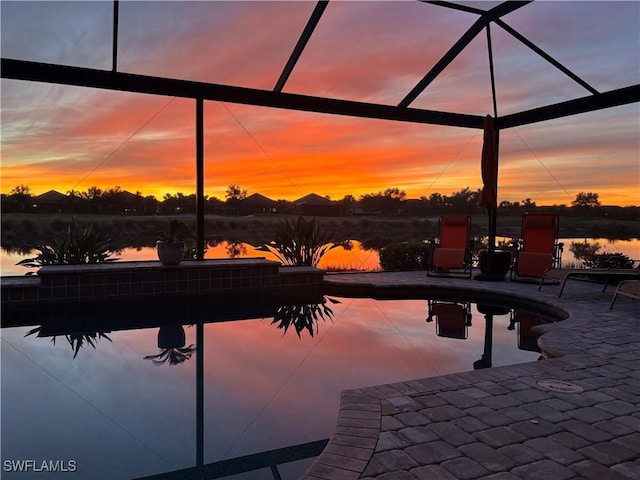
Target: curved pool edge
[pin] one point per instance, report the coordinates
(568, 346)
(456, 292)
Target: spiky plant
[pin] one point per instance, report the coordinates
(76, 340)
(299, 243)
(79, 245)
(176, 231)
(303, 317)
(172, 356)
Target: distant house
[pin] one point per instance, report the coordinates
(257, 203)
(412, 206)
(50, 202)
(315, 205)
(127, 202)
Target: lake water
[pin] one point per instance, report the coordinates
(114, 414)
(356, 258)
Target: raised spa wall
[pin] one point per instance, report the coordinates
(149, 279)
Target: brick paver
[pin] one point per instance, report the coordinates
(499, 423)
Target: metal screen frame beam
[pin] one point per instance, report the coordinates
(612, 98)
(545, 55)
(459, 46)
(444, 62)
(456, 6)
(302, 42)
(114, 53)
(200, 179)
(128, 82)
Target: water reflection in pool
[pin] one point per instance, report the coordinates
(126, 402)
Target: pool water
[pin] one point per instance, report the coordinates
(117, 406)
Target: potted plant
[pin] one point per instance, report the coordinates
(171, 342)
(172, 243)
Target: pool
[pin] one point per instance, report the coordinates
(116, 402)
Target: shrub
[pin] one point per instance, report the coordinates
(79, 245)
(405, 256)
(590, 256)
(608, 260)
(299, 243)
(585, 251)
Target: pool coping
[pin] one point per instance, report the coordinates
(360, 431)
(121, 281)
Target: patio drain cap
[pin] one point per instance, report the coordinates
(559, 386)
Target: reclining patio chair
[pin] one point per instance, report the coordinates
(452, 319)
(627, 288)
(607, 275)
(538, 249)
(450, 254)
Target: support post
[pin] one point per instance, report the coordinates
(493, 210)
(114, 63)
(199, 179)
(493, 225)
(199, 394)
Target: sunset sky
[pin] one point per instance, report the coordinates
(63, 138)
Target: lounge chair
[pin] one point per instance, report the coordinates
(538, 249)
(627, 288)
(450, 254)
(562, 275)
(452, 319)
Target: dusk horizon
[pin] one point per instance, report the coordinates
(104, 190)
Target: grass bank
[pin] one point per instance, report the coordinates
(24, 231)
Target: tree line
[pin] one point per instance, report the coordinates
(389, 202)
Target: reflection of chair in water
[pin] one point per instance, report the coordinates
(452, 319)
(538, 249)
(451, 254)
(527, 339)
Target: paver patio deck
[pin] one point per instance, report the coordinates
(502, 423)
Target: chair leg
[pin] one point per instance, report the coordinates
(564, 282)
(613, 300)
